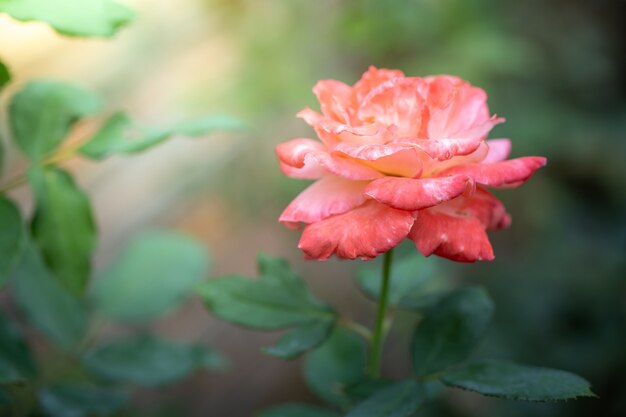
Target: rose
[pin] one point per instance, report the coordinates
(400, 157)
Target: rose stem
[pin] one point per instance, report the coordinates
(377, 339)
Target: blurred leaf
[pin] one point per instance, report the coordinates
(302, 339)
(101, 18)
(517, 382)
(43, 112)
(366, 387)
(120, 135)
(156, 272)
(46, 304)
(401, 399)
(409, 277)
(5, 75)
(450, 330)
(16, 362)
(11, 238)
(297, 410)
(148, 360)
(81, 400)
(277, 300)
(63, 226)
(337, 363)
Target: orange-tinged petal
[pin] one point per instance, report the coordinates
(511, 173)
(335, 99)
(364, 232)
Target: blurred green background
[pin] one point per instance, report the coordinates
(555, 69)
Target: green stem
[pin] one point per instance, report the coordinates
(379, 331)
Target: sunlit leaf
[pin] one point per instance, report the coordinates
(101, 18)
(46, 304)
(149, 360)
(401, 399)
(297, 410)
(16, 361)
(120, 135)
(277, 300)
(449, 331)
(43, 112)
(11, 237)
(517, 382)
(337, 363)
(63, 226)
(155, 273)
(81, 400)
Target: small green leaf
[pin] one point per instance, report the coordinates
(63, 226)
(47, 305)
(297, 410)
(100, 18)
(449, 331)
(81, 400)
(277, 300)
(302, 339)
(11, 238)
(42, 114)
(409, 275)
(337, 363)
(148, 360)
(5, 76)
(120, 135)
(155, 273)
(512, 381)
(16, 362)
(401, 399)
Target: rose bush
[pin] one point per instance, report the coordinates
(400, 157)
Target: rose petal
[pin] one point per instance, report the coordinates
(416, 194)
(499, 150)
(457, 229)
(393, 159)
(335, 99)
(372, 78)
(513, 172)
(364, 232)
(299, 153)
(328, 196)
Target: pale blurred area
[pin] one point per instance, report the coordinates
(555, 69)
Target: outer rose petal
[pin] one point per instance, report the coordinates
(327, 196)
(416, 194)
(299, 153)
(335, 99)
(499, 150)
(364, 232)
(511, 173)
(457, 229)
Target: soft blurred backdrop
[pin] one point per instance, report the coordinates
(555, 69)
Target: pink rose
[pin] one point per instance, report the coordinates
(400, 157)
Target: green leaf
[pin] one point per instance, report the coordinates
(16, 362)
(337, 363)
(42, 114)
(81, 400)
(148, 360)
(277, 300)
(5, 75)
(63, 226)
(450, 330)
(11, 238)
(513, 381)
(409, 275)
(46, 304)
(155, 273)
(297, 410)
(120, 135)
(100, 18)
(302, 339)
(401, 399)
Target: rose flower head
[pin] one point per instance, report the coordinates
(400, 157)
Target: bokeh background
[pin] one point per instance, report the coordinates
(555, 69)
